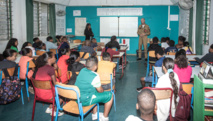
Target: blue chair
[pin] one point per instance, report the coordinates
(73, 106)
(154, 77)
(106, 79)
(1, 76)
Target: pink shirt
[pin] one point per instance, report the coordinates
(184, 74)
(23, 67)
(62, 64)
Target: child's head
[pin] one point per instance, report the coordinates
(12, 42)
(106, 56)
(167, 40)
(65, 51)
(58, 38)
(92, 63)
(171, 43)
(181, 40)
(155, 40)
(36, 39)
(27, 52)
(94, 40)
(87, 43)
(74, 57)
(113, 38)
(46, 58)
(146, 102)
(159, 52)
(186, 44)
(41, 45)
(64, 39)
(180, 59)
(26, 44)
(10, 55)
(163, 39)
(211, 49)
(168, 66)
(49, 38)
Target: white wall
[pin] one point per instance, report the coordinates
(206, 47)
(184, 23)
(18, 23)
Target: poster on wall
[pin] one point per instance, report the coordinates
(80, 24)
(76, 12)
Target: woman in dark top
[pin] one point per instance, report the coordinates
(88, 32)
(9, 56)
(74, 66)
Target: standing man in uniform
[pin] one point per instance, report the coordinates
(143, 32)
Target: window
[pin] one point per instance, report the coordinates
(5, 20)
(206, 22)
(41, 19)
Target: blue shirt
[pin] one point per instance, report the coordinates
(50, 45)
(159, 62)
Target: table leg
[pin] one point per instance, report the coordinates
(125, 57)
(117, 65)
(122, 69)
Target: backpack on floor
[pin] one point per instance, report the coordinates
(10, 88)
(183, 108)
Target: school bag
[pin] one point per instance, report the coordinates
(183, 108)
(10, 87)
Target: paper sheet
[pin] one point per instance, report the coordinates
(173, 17)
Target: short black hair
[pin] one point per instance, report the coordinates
(155, 40)
(186, 43)
(146, 102)
(25, 51)
(171, 43)
(36, 38)
(211, 46)
(113, 38)
(91, 62)
(182, 38)
(159, 51)
(105, 55)
(49, 38)
(163, 39)
(167, 39)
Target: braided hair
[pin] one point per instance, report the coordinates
(168, 63)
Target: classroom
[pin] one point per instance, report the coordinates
(106, 60)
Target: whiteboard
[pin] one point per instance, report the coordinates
(119, 26)
(128, 26)
(80, 24)
(108, 26)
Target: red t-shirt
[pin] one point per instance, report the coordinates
(184, 74)
(110, 51)
(62, 64)
(44, 73)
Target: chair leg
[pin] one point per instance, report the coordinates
(53, 110)
(56, 116)
(82, 117)
(98, 110)
(26, 83)
(22, 99)
(114, 100)
(34, 103)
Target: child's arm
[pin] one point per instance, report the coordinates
(100, 89)
(53, 79)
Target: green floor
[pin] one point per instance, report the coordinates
(126, 98)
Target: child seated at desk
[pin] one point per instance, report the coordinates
(9, 56)
(113, 43)
(182, 69)
(145, 104)
(89, 84)
(164, 44)
(187, 48)
(106, 66)
(94, 43)
(159, 54)
(108, 49)
(181, 40)
(168, 80)
(208, 57)
(153, 47)
(41, 46)
(74, 66)
(88, 49)
(171, 47)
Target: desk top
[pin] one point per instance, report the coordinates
(190, 57)
(116, 56)
(159, 71)
(74, 45)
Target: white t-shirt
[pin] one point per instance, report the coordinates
(133, 118)
(164, 45)
(32, 48)
(164, 105)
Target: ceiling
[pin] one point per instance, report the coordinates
(108, 2)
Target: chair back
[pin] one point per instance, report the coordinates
(69, 74)
(171, 53)
(38, 52)
(40, 84)
(86, 55)
(115, 49)
(67, 91)
(77, 41)
(104, 77)
(152, 53)
(54, 51)
(10, 72)
(187, 87)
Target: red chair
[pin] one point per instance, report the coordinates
(163, 93)
(47, 85)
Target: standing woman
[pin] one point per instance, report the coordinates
(88, 32)
(12, 44)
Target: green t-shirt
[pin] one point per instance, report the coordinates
(14, 48)
(87, 82)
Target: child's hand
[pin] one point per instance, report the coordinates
(55, 66)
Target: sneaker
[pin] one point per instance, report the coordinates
(139, 89)
(31, 90)
(102, 118)
(59, 113)
(95, 116)
(138, 59)
(48, 110)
